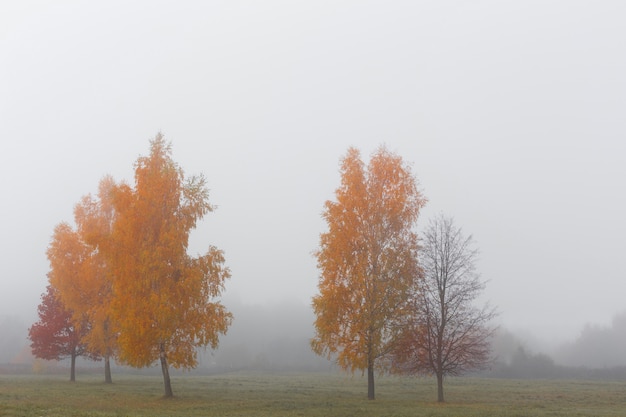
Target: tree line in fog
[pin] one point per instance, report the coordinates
(251, 344)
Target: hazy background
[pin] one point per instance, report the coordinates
(511, 114)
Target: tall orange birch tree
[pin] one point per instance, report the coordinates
(165, 302)
(368, 261)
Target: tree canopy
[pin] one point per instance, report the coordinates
(126, 273)
(164, 301)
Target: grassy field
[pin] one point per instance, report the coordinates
(304, 395)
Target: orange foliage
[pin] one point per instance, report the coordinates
(94, 219)
(69, 260)
(126, 274)
(80, 272)
(367, 259)
(163, 299)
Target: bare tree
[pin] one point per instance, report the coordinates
(445, 334)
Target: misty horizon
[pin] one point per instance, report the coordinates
(511, 116)
(277, 337)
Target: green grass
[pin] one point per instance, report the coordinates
(304, 395)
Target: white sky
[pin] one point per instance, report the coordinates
(511, 113)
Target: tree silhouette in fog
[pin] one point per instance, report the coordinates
(445, 334)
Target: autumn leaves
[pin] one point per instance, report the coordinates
(123, 284)
(368, 261)
(384, 303)
(125, 270)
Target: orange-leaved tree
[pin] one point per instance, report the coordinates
(165, 303)
(80, 273)
(368, 261)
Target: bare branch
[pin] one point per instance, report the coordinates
(446, 334)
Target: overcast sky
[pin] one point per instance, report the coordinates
(512, 114)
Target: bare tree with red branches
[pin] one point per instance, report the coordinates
(445, 334)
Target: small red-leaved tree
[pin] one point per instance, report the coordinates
(55, 336)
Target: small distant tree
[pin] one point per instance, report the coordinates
(56, 336)
(367, 260)
(444, 333)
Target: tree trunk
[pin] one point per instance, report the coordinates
(107, 370)
(166, 374)
(107, 356)
(73, 368)
(440, 387)
(370, 381)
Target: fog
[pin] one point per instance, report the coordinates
(267, 338)
(276, 338)
(511, 114)
(598, 346)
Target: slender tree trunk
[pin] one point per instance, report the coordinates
(166, 374)
(73, 368)
(370, 381)
(440, 387)
(107, 357)
(107, 370)
(440, 333)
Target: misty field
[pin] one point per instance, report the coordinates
(304, 395)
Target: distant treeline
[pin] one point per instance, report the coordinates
(524, 365)
(277, 339)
